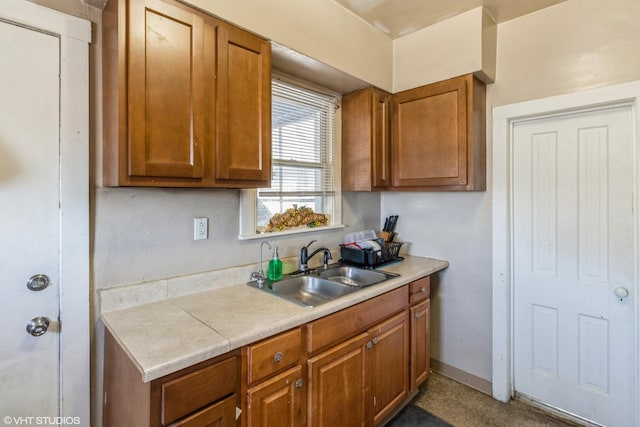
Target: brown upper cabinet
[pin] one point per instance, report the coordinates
(366, 137)
(437, 138)
(187, 99)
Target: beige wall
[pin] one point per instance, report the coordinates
(576, 45)
(323, 30)
(460, 45)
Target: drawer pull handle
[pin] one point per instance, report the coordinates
(299, 383)
(277, 357)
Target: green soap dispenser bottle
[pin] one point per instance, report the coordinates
(275, 267)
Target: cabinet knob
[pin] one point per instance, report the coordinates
(277, 357)
(374, 340)
(423, 289)
(299, 383)
(369, 345)
(417, 314)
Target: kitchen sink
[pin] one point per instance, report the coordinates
(316, 287)
(354, 276)
(309, 291)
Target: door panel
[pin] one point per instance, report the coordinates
(243, 139)
(29, 218)
(278, 401)
(389, 369)
(338, 385)
(166, 85)
(573, 246)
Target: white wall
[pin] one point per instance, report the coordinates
(572, 46)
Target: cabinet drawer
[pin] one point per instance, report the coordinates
(274, 354)
(357, 318)
(222, 413)
(419, 290)
(187, 393)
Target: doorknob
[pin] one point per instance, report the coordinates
(621, 293)
(38, 326)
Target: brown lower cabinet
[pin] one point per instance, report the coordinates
(202, 395)
(419, 293)
(356, 367)
(363, 380)
(219, 414)
(338, 384)
(389, 371)
(278, 401)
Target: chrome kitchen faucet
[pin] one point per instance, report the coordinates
(258, 275)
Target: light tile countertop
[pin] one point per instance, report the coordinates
(166, 336)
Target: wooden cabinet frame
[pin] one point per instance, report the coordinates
(437, 138)
(173, 398)
(195, 112)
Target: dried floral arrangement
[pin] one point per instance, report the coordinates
(295, 217)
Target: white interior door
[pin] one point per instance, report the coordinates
(573, 256)
(29, 220)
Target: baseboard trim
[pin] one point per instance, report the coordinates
(463, 377)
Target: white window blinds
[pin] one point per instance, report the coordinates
(302, 152)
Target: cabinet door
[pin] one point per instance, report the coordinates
(243, 140)
(420, 353)
(338, 385)
(381, 149)
(439, 140)
(165, 90)
(366, 150)
(389, 367)
(278, 401)
(430, 135)
(221, 414)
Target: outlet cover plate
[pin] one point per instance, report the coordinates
(200, 228)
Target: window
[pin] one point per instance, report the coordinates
(303, 165)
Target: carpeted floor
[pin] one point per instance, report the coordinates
(462, 406)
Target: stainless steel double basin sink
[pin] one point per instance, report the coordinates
(319, 286)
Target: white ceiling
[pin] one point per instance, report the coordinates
(397, 18)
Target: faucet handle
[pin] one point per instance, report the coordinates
(310, 243)
(327, 256)
(258, 276)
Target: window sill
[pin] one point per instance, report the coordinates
(289, 232)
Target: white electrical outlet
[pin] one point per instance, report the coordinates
(200, 228)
